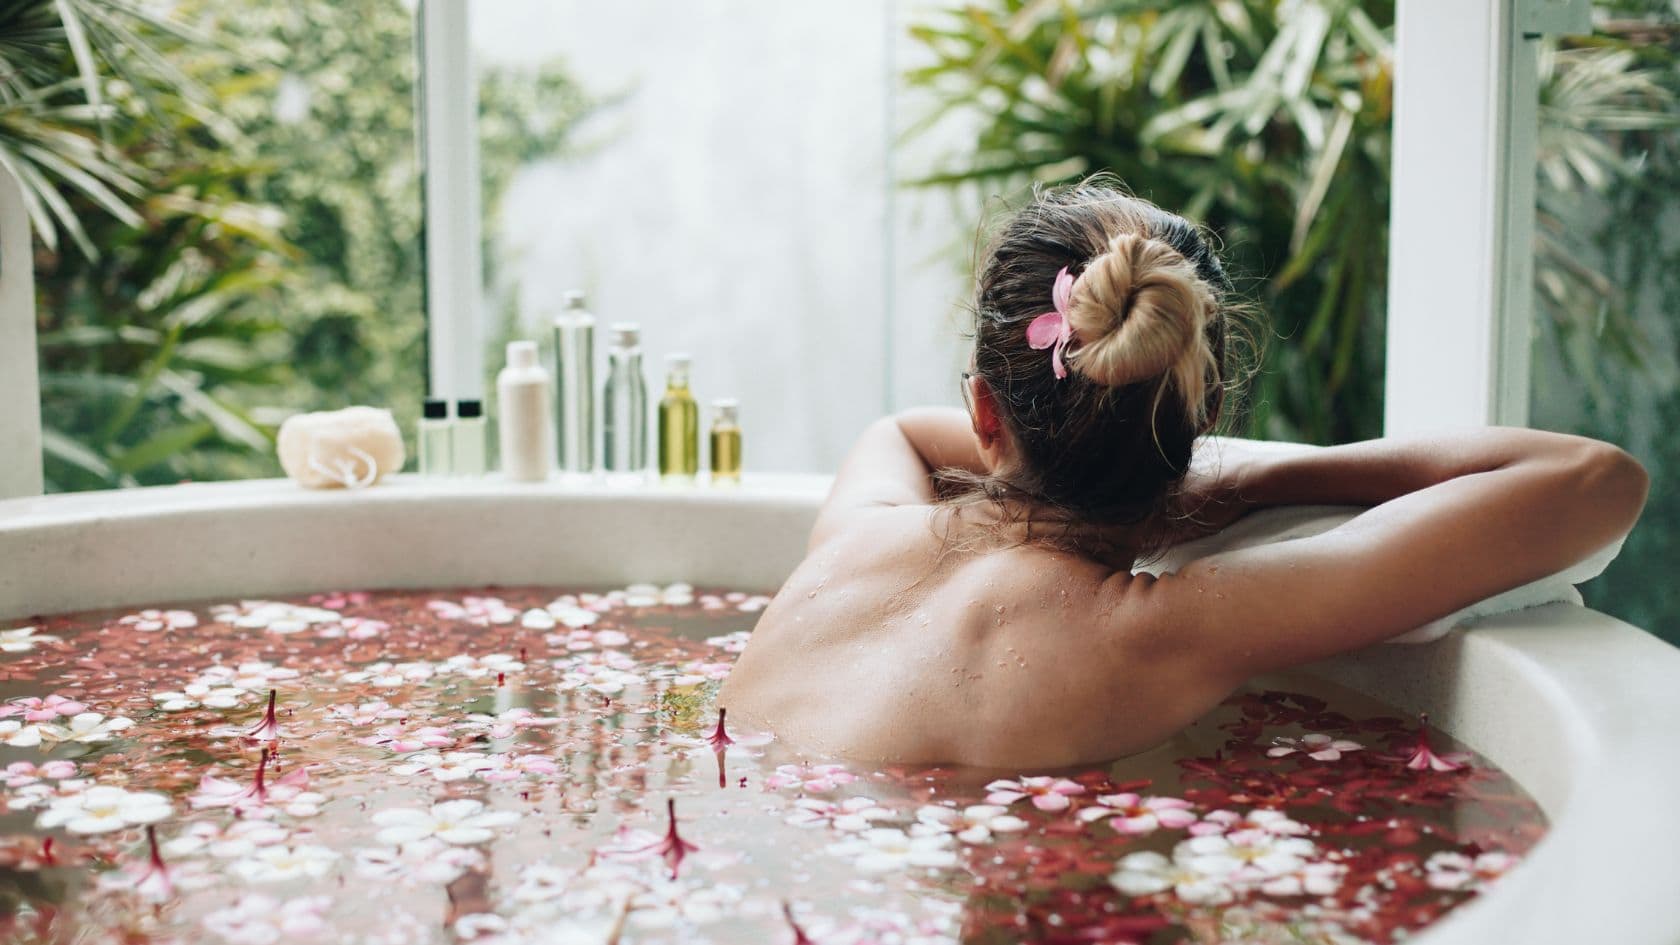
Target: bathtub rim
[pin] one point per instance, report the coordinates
(1590, 678)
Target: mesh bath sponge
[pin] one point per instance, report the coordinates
(350, 448)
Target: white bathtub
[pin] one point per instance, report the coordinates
(1581, 708)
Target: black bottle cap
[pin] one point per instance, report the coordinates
(469, 409)
(435, 410)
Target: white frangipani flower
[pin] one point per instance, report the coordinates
(888, 849)
(1245, 855)
(256, 919)
(19, 735)
(102, 809)
(272, 616)
(427, 861)
(850, 815)
(976, 823)
(278, 863)
(1147, 873)
(463, 821)
(151, 621)
(239, 839)
(23, 639)
(87, 727)
(479, 667)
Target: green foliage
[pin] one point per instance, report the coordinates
(270, 259)
(1268, 120)
(1636, 232)
(54, 57)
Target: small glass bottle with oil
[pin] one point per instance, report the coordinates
(726, 442)
(679, 424)
(435, 436)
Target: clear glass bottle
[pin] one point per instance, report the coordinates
(437, 451)
(624, 404)
(726, 442)
(679, 424)
(574, 384)
(471, 455)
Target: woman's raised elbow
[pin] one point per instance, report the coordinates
(1613, 480)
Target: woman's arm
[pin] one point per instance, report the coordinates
(1456, 518)
(893, 461)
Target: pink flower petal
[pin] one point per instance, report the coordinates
(1144, 823)
(1061, 294)
(1045, 330)
(1004, 797)
(1174, 819)
(1051, 802)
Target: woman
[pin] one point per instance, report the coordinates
(968, 594)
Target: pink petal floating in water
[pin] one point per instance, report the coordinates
(268, 730)
(673, 848)
(719, 739)
(1424, 757)
(1051, 802)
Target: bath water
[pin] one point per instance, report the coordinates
(539, 765)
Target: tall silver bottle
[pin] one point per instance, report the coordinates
(574, 385)
(624, 403)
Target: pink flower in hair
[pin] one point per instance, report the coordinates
(1052, 330)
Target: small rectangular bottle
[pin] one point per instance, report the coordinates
(471, 453)
(436, 439)
(679, 424)
(726, 442)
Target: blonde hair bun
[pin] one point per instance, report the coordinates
(1139, 312)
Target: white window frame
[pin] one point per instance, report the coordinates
(20, 387)
(1461, 236)
(448, 116)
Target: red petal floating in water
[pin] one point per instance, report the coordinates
(799, 936)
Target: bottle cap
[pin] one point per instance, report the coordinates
(434, 409)
(676, 366)
(469, 409)
(522, 354)
(576, 301)
(726, 409)
(626, 334)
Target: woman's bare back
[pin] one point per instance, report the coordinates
(889, 645)
(892, 643)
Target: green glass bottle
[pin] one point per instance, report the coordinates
(679, 424)
(726, 442)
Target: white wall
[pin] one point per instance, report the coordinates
(737, 205)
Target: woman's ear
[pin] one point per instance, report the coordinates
(988, 424)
